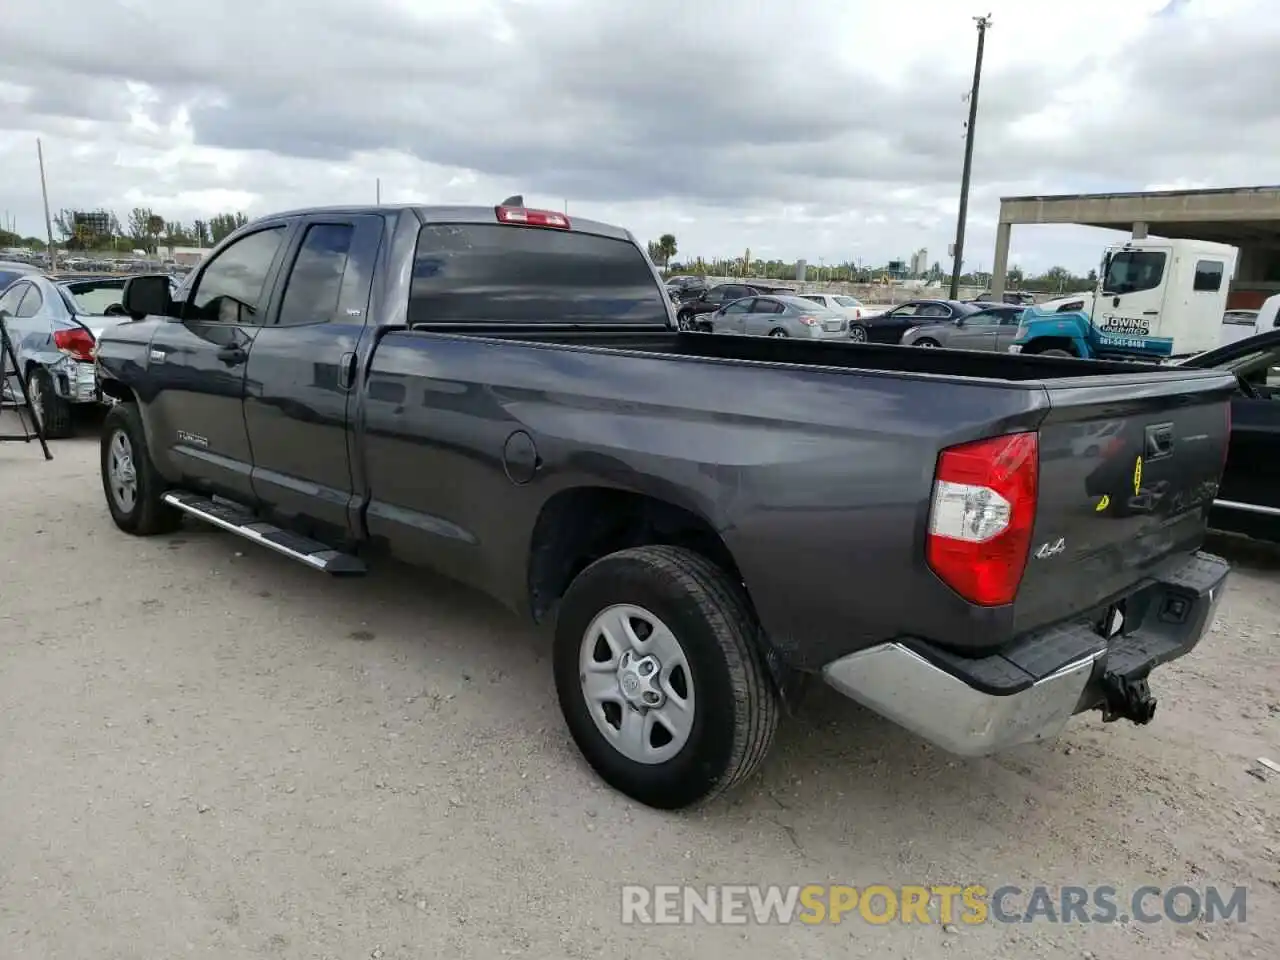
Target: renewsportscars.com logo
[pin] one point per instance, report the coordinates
(970, 904)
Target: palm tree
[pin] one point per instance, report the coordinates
(667, 247)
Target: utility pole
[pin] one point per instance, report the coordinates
(983, 23)
(48, 224)
(377, 191)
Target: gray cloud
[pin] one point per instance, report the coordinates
(705, 107)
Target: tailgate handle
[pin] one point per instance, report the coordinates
(1159, 441)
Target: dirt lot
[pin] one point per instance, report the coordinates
(211, 751)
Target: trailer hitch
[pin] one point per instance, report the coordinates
(1127, 698)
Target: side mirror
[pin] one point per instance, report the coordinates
(959, 321)
(147, 295)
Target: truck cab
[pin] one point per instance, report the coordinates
(1155, 299)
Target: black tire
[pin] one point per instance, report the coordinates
(926, 342)
(684, 320)
(54, 412)
(778, 332)
(858, 333)
(736, 706)
(149, 514)
(1055, 352)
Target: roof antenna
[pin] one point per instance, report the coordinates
(516, 201)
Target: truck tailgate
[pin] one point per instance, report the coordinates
(1129, 467)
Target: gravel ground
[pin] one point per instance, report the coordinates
(211, 751)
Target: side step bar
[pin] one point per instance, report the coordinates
(242, 523)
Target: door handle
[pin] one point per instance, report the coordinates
(232, 355)
(347, 371)
(1159, 440)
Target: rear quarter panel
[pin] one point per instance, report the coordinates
(817, 479)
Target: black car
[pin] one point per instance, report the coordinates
(686, 288)
(712, 300)
(1248, 499)
(889, 326)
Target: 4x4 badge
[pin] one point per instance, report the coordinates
(1047, 550)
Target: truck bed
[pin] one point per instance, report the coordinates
(862, 356)
(813, 462)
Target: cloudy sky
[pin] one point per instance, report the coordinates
(820, 128)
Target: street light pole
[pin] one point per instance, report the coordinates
(983, 23)
(48, 224)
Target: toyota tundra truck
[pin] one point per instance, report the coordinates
(502, 394)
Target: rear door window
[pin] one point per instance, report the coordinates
(31, 303)
(311, 293)
(496, 273)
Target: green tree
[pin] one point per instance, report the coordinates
(667, 247)
(222, 225)
(138, 228)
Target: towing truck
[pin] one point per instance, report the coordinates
(1156, 299)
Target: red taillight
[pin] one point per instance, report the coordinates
(532, 218)
(808, 321)
(984, 506)
(77, 342)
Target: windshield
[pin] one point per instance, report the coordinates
(848, 302)
(92, 299)
(1130, 271)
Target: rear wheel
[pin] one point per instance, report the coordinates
(53, 412)
(779, 332)
(133, 487)
(1055, 352)
(659, 678)
(926, 342)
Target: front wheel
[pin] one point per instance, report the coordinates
(659, 678)
(684, 320)
(133, 487)
(858, 333)
(1055, 352)
(927, 343)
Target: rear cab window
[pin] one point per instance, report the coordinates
(500, 273)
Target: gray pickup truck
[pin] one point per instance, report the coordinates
(711, 522)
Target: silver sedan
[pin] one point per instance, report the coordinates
(54, 325)
(780, 316)
(992, 329)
